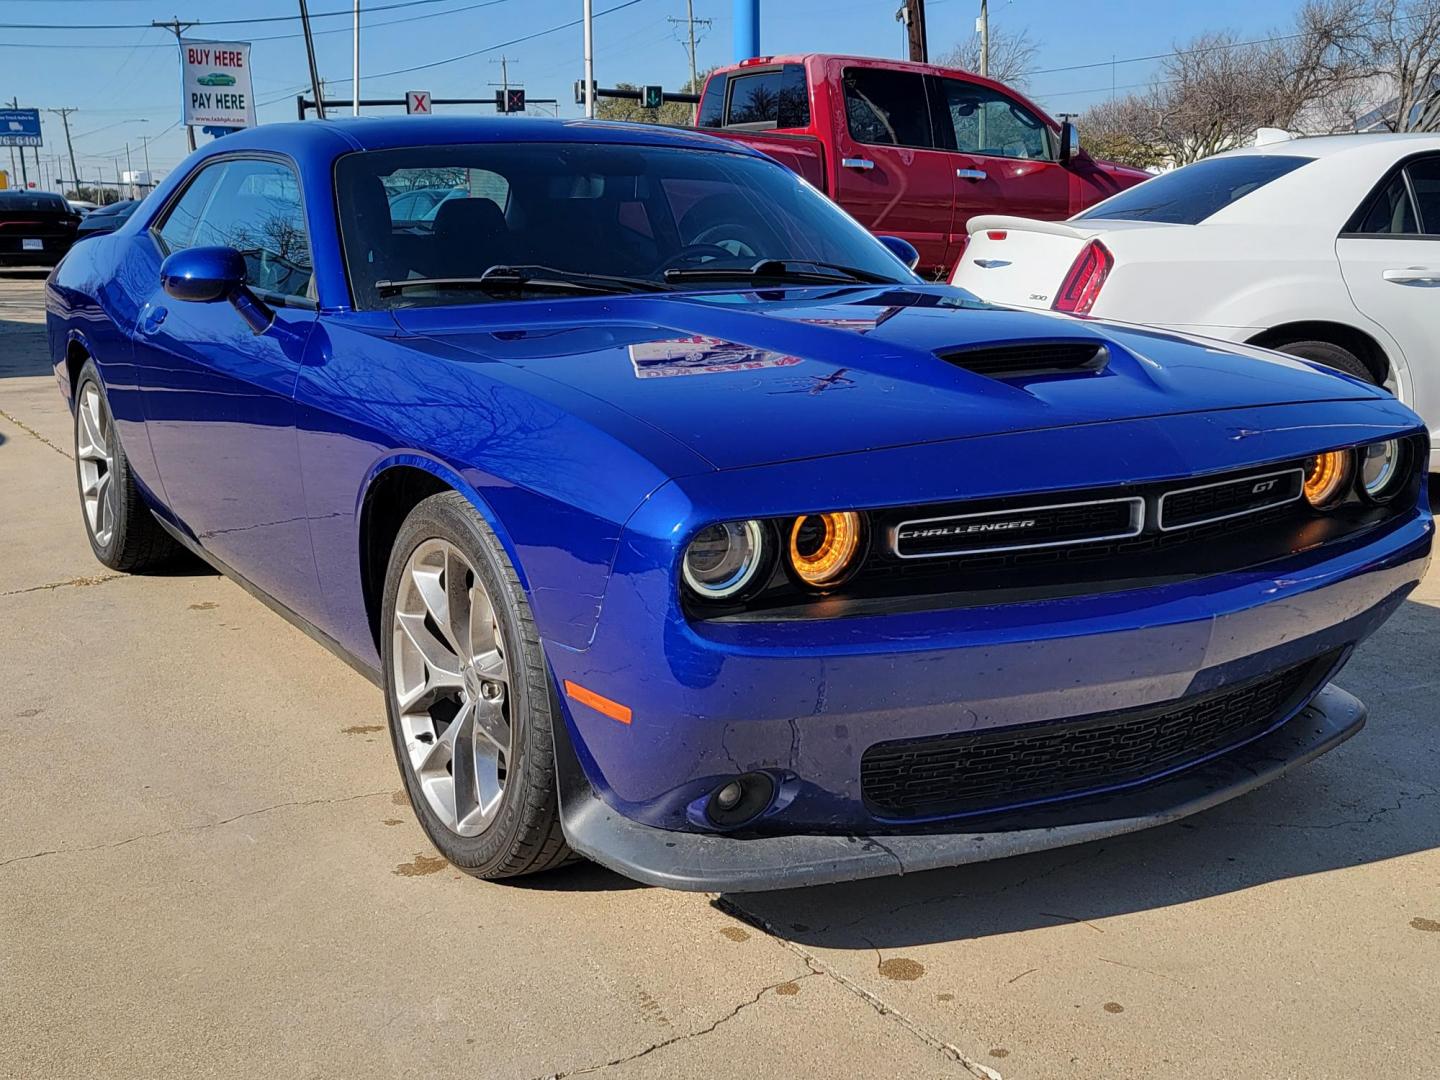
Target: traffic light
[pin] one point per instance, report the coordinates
(510, 101)
(652, 97)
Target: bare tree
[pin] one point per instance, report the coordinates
(1404, 43)
(1011, 55)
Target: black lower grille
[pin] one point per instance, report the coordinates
(974, 772)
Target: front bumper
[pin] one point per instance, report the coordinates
(701, 862)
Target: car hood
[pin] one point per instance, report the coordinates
(765, 376)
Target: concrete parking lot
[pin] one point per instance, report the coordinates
(207, 869)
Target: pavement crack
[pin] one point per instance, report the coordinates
(696, 1034)
(869, 997)
(79, 583)
(35, 434)
(192, 828)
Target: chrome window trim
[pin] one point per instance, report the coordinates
(1137, 526)
(1160, 506)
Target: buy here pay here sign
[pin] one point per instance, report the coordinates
(216, 80)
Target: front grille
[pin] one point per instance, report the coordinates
(1030, 527)
(1227, 499)
(1029, 359)
(995, 770)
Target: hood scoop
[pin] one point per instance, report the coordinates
(1027, 359)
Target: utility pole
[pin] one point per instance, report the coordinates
(310, 55)
(176, 27)
(129, 168)
(912, 14)
(145, 150)
(982, 26)
(588, 14)
(64, 115)
(690, 22)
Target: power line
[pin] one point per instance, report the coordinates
(213, 22)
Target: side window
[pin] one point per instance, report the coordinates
(987, 122)
(178, 228)
(1425, 183)
(257, 211)
(1390, 213)
(712, 104)
(777, 98)
(887, 107)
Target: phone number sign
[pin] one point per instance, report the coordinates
(20, 127)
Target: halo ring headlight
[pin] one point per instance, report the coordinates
(1327, 477)
(722, 560)
(1381, 469)
(824, 549)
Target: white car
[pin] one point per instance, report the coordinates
(1326, 248)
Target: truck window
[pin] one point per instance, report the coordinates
(887, 107)
(776, 98)
(712, 104)
(987, 122)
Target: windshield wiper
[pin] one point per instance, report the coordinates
(810, 271)
(512, 279)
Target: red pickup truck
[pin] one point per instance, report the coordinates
(911, 150)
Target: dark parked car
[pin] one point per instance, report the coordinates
(106, 219)
(36, 228)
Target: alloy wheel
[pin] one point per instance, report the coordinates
(452, 687)
(95, 453)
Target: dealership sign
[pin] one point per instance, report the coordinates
(20, 127)
(216, 80)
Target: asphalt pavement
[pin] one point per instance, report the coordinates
(207, 869)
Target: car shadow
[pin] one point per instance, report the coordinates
(1372, 799)
(22, 342)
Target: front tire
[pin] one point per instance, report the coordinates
(122, 531)
(468, 695)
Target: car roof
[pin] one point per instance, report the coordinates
(388, 132)
(1321, 146)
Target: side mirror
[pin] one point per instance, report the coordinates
(901, 249)
(203, 275)
(1069, 142)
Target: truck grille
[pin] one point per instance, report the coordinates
(978, 772)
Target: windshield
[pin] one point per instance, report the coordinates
(454, 212)
(1190, 195)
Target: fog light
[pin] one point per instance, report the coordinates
(1327, 476)
(741, 800)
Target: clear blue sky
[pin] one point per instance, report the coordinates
(119, 77)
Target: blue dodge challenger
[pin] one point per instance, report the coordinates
(687, 530)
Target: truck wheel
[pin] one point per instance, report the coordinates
(123, 533)
(468, 695)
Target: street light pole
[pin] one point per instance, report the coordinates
(355, 67)
(982, 24)
(315, 86)
(589, 18)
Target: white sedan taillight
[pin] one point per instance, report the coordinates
(1084, 280)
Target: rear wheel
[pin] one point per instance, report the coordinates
(1331, 355)
(469, 696)
(123, 533)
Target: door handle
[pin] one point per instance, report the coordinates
(1413, 275)
(151, 321)
(863, 164)
(972, 174)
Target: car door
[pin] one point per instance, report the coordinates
(892, 178)
(219, 399)
(1390, 257)
(1004, 157)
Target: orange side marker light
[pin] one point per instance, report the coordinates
(598, 702)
